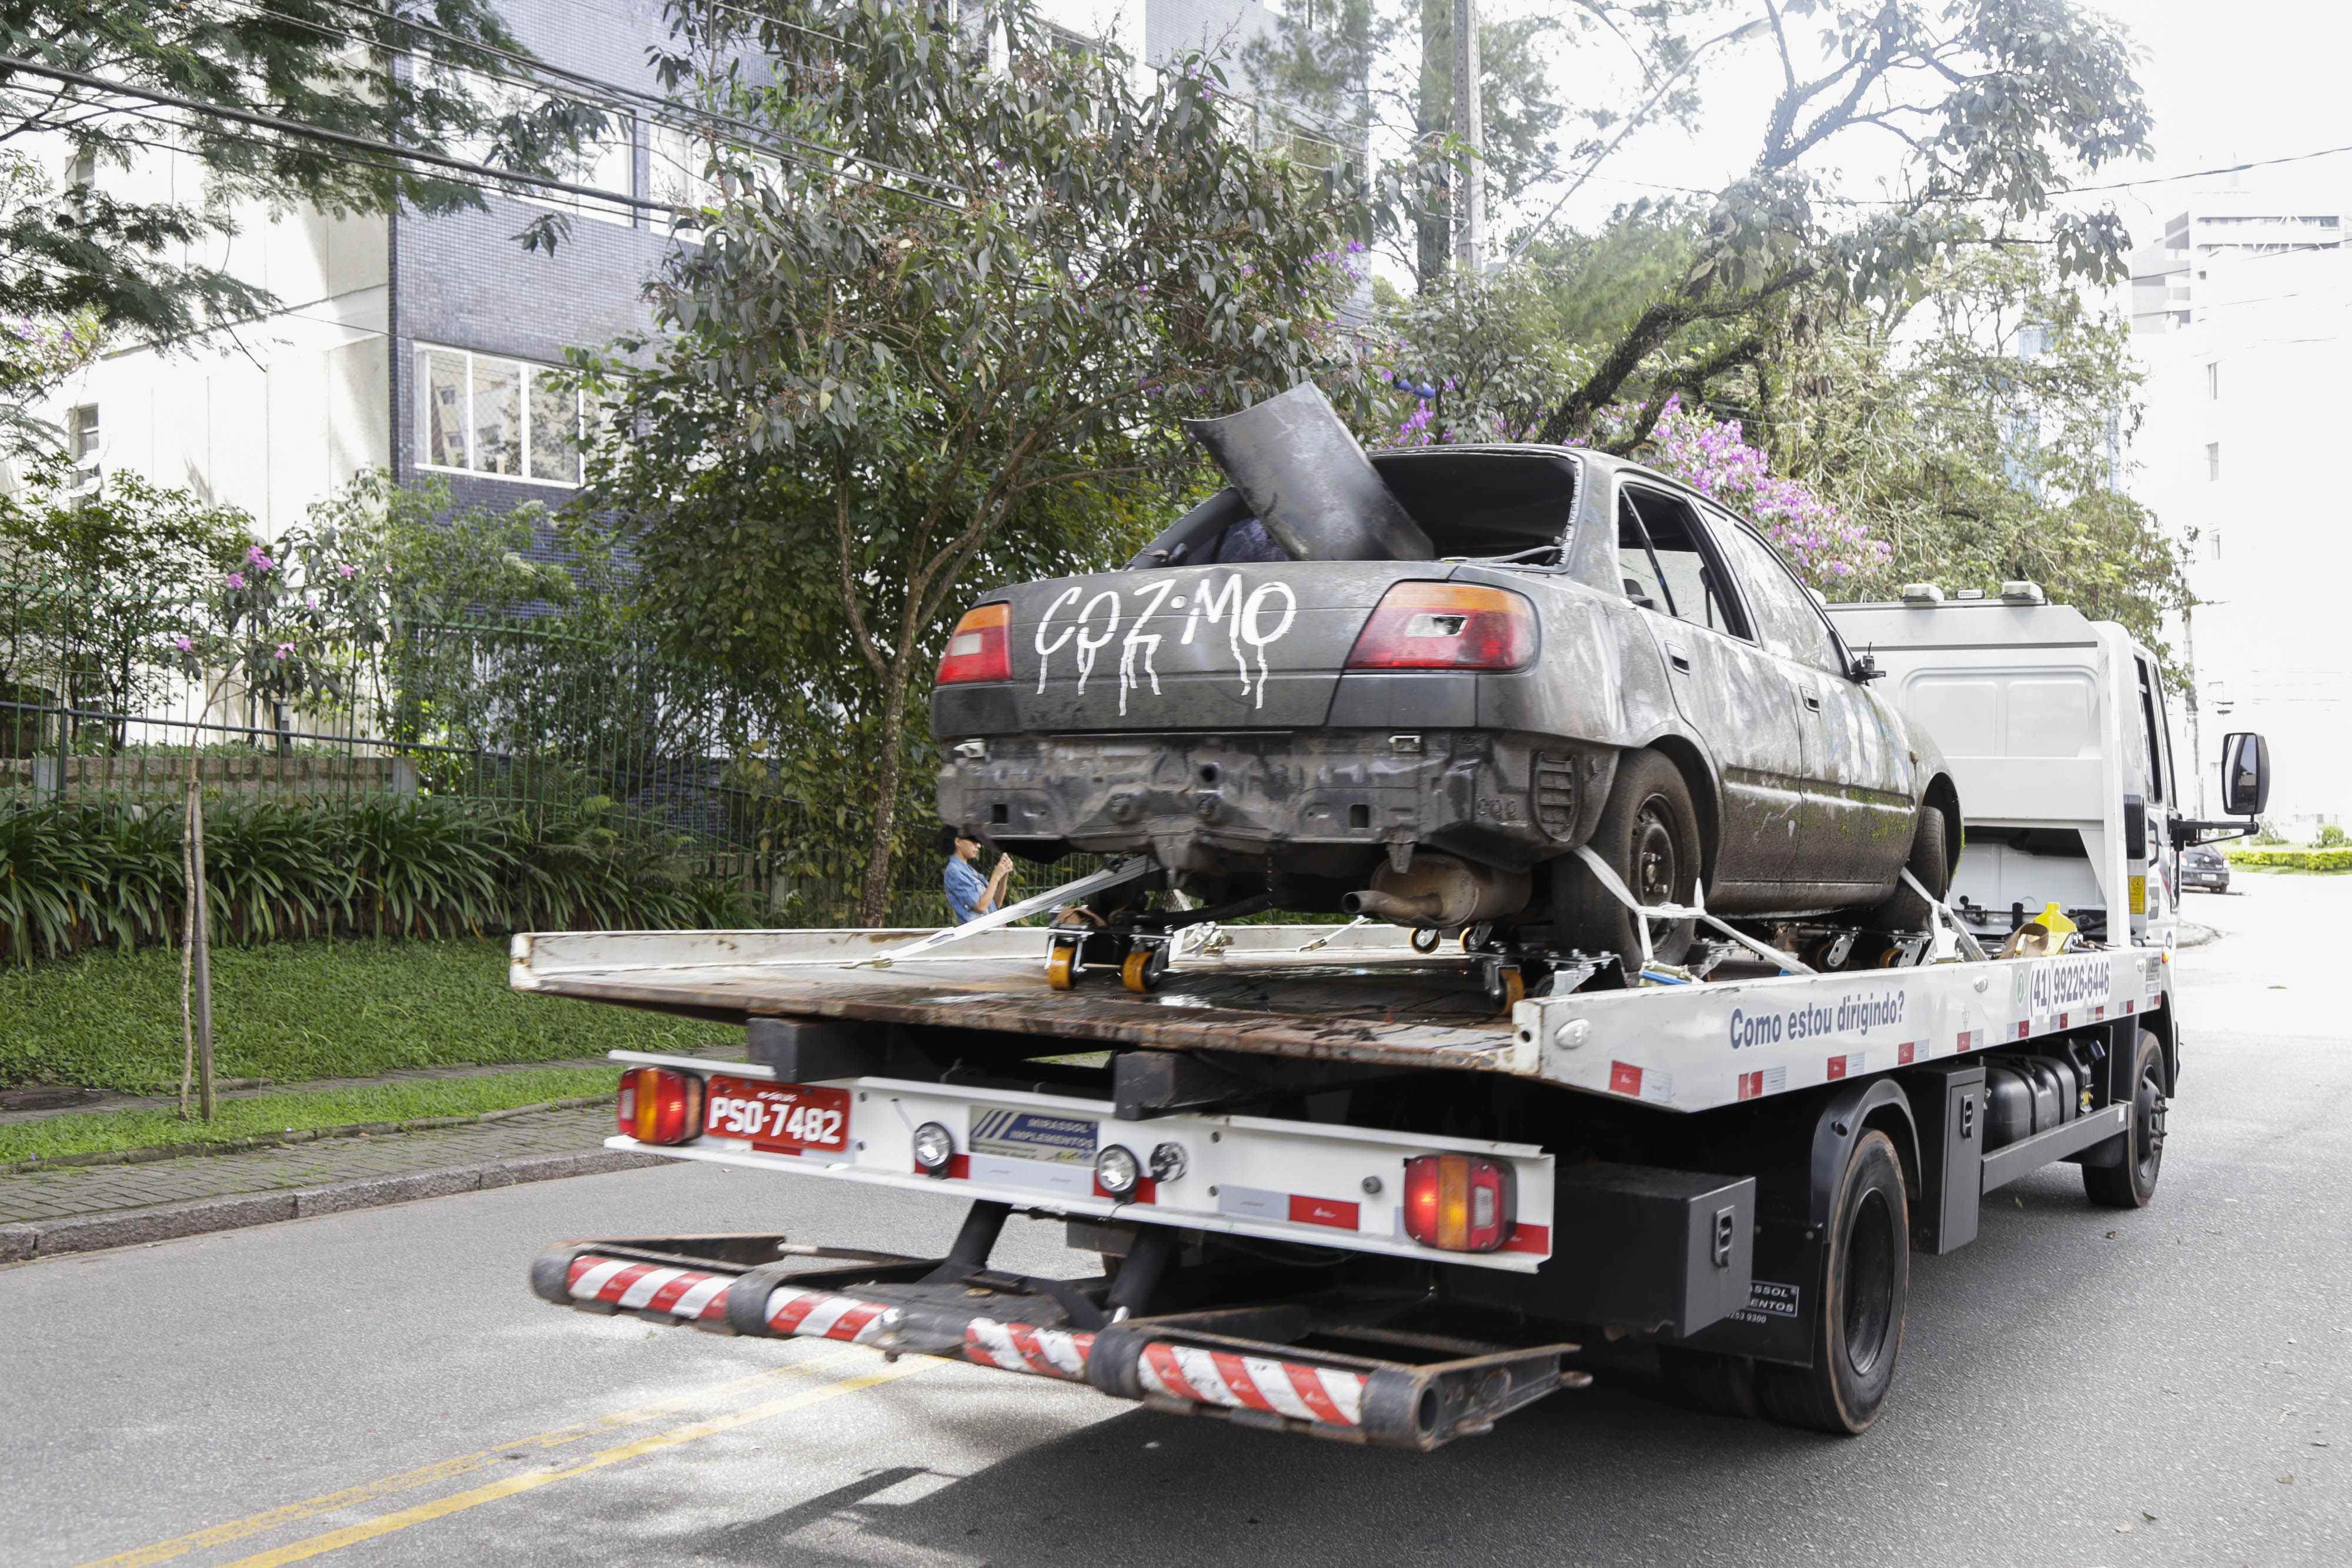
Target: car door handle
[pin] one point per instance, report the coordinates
(1678, 659)
(1812, 698)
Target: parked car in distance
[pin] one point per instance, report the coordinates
(2204, 866)
(1552, 648)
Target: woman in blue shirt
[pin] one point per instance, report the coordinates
(969, 897)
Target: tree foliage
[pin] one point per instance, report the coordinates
(956, 350)
(76, 249)
(1997, 106)
(1981, 431)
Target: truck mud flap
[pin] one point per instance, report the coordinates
(1333, 1368)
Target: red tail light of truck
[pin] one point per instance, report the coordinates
(981, 647)
(1459, 1203)
(658, 1106)
(1446, 626)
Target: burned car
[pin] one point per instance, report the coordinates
(1410, 685)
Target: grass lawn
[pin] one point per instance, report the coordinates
(297, 1010)
(261, 1115)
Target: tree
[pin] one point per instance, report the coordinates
(1980, 430)
(1374, 79)
(77, 257)
(1995, 104)
(960, 347)
(102, 583)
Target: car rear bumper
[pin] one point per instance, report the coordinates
(1310, 803)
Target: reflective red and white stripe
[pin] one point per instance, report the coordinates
(687, 1294)
(1301, 1392)
(1017, 1347)
(813, 1314)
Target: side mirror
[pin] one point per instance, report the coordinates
(2245, 774)
(1864, 668)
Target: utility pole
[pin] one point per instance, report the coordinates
(1469, 125)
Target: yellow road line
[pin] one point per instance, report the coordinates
(450, 1469)
(458, 1503)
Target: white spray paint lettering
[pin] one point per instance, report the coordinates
(1090, 646)
(1243, 613)
(1044, 650)
(1137, 642)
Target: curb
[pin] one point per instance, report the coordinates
(169, 1221)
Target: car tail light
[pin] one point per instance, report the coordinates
(981, 648)
(1459, 1203)
(1446, 626)
(658, 1106)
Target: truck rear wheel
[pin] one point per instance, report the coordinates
(2132, 1183)
(1864, 1288)
(1649, 836)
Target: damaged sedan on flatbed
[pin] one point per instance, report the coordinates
(1412, 686)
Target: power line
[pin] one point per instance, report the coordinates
(321, 133)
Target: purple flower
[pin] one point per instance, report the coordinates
(256, 558)
(283, 649)
(310, 602)
(237, 580)
(348, 571)
(182, 643)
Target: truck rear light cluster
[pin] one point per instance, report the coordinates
(1446, 626)
(1459, 1203)
(981, 647)
(658, 1106)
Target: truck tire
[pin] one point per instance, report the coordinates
(1864, 1287)
(2132, 1183)
(1904, 909)
(1649, 836)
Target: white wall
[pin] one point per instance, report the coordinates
(2273, 562)
(270, 415)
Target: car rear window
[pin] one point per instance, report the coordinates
(1481, 503)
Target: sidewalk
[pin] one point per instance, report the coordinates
(81, 1208)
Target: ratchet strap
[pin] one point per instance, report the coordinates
(1125, 872)
(1693, 911)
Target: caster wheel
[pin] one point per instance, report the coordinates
(1142, 970)
(1424, 941)
(1508, 990)
(1062, 966)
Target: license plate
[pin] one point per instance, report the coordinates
(790, 1118)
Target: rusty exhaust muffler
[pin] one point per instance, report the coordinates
(1441, 892)
(1310, 482)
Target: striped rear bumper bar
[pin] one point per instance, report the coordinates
(1195, 1365)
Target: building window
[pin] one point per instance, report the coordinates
(477, 414)
(607, 164)
(82, 444)
(2213, 380)
(2212, 460)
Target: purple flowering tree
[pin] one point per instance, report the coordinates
(1714, 457)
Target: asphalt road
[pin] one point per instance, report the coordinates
(2077, 1388)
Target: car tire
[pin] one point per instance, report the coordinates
(1904, 909)
(1649, 836)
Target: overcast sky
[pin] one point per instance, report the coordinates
(2259, 79)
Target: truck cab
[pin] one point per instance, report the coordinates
(2059, 735)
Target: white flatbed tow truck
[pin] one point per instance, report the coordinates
(1343, 1186)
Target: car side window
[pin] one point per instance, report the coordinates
(1662, 559)
(1788, 621)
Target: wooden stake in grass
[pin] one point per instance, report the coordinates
(196, 958)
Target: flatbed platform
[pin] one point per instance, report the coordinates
(1360, 994)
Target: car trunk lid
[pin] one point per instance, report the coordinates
(1257, 646)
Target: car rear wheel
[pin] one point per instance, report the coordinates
(1649, 836)
(1903, 909)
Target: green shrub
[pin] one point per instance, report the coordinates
(2293, 860)
(79, 876)
(2332, 837)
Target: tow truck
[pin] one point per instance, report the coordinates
(1334, 1183)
